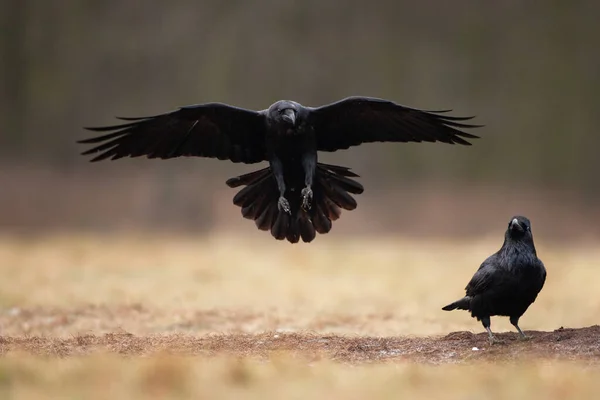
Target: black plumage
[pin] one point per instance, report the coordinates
(295, 196)
(507, 282)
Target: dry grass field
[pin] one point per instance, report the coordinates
(142, 316)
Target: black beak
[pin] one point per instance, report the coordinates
(515, 225)
(289, 116)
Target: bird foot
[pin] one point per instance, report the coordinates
(307, 196)
(524, 338)
(284, 205)
(494, 340)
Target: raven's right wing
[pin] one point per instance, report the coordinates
(356, 120)
(213, 130)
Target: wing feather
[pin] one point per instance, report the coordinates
(212, 130)
(356, 120)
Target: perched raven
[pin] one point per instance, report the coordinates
(295, 196)
(507, 282)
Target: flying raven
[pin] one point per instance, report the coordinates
(507, 282)
(295, 196)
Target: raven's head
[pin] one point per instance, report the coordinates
(519, 228)
(284, 113)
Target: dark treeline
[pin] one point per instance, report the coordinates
(528, 70)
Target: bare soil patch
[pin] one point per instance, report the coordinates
(457, 347)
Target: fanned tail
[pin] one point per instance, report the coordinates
(332, 187)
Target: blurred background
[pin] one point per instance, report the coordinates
(527, 70)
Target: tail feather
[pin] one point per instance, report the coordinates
(307, 228)
(293, 232)
(254, 206)
(280, 226)
(461, 304)
(320, 220)
(343, 171)
(250, 193)
(343, 182)
(333, 211)
(340, 197)
(248, 178)
(265, 220)
(331, 193)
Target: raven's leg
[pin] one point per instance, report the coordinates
(277, 169)
(515, 322)
(309, 164)
(486, 324)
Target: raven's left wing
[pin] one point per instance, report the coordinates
(213, 130)
(356, 120)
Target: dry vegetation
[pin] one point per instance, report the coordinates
(178, 317)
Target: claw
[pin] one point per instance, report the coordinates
(284, 205)
(494, 340)
(307, 196)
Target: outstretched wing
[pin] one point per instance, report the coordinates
(213, 130)
(355, 120)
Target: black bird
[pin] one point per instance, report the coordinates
(507, 282)
(295, 196)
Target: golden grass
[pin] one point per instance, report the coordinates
(78, 297)
(369, 286)
(169, 377)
